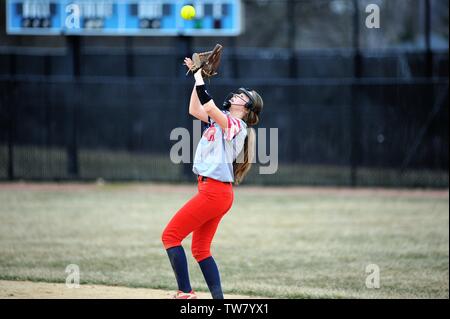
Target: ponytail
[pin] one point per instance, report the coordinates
(245, 159)
(241, 168)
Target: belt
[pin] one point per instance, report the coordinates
(204, 178)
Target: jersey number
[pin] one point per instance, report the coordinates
(209, 133)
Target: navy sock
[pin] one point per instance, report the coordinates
(179, 264)
(212, 277)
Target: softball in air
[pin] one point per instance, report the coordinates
(188, 12)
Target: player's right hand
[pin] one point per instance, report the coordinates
(189, 63)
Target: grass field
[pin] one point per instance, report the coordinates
(275, 242)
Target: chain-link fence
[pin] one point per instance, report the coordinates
(332, 131)
(352, 105)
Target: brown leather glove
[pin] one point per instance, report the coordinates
(208, 61)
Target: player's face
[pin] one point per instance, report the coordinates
(239, 99)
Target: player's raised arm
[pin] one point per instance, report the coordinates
(195, 107)
(208, 104)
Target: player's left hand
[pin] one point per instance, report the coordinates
(208, 62)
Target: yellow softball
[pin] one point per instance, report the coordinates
(188, 12)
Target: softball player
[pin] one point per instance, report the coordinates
(216, 167)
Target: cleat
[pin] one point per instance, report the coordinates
(185, 295)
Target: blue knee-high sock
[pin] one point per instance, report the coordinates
(179, 264)
(212, 277)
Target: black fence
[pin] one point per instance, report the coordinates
(110, 116)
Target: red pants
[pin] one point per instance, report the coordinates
(201, 215)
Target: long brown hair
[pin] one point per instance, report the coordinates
(242, 167)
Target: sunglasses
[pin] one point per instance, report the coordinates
(240, 97)
(248, 104)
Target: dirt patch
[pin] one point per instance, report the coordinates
(43, 290)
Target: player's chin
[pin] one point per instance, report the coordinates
(236, 107)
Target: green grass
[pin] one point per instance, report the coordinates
(280, 243)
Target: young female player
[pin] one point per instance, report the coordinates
(217, 167)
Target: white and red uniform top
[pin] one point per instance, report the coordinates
(218, 148)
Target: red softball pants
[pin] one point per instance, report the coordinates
(201, 215)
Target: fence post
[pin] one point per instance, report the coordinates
(184, 49)
(11, 127)
(11, 109)
(290, 7)
(428, 51)
(355, 129)
(234, 59)
(129, 57)
(72, 143)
